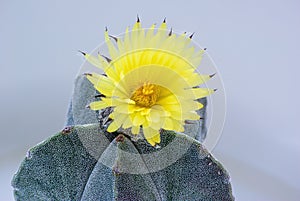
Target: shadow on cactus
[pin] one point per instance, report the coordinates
(140, 137)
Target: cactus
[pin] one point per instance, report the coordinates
(84, 162)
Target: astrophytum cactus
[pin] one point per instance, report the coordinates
(130, 144)
(83, 162)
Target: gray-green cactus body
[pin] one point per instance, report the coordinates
(63, 168)
(84, 162)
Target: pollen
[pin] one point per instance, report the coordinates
(146, 95)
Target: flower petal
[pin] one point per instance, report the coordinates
(94, 60)
(200, 92)
(113, 127)
(135, 130)
(97, 105)
(148, 57)
(138, 119)
(151, 135)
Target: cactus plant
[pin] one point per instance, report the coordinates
(86, 162)
(83, 162)
(61, 169)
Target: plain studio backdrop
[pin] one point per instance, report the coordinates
(255, 45)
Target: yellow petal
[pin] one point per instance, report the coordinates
(196, 79)
(94, 60)
(151, 135)
(112, 127)
(169, 100)
(178, 126)
(151, 142)
(97, 105)
(113, 52)
(107, 87)
(118, 118)
(201, 92)
(127, 123)
(149, 36)
(191, 115)
(154, 116)
(138, 119)
(125, 108)
(168, 124)
(156, 139)
(155, 125)
(135, 130)
(93, 77)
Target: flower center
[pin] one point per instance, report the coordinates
(146, 95)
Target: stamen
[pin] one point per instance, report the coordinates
(146, 95)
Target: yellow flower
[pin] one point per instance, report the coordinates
(150, 81)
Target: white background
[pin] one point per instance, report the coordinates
(255, 45)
